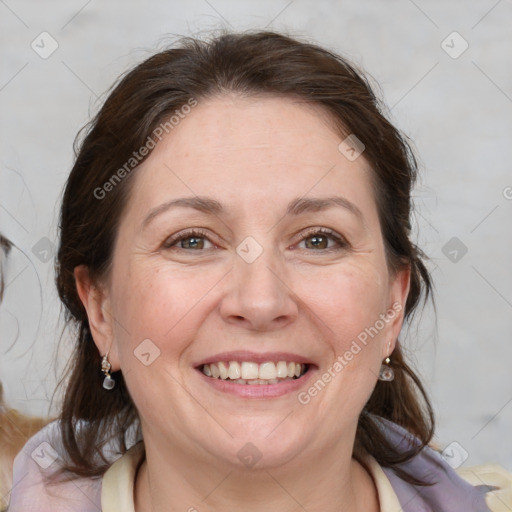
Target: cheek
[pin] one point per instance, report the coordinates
(348, 308)
(348, 300)
(157, 303)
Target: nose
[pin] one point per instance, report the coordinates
(258, 297)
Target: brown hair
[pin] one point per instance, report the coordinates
(246, 63)
(5, 248)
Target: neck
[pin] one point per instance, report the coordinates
(328, 482)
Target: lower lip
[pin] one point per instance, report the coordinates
(259, 390)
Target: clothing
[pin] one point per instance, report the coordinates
(485, 488)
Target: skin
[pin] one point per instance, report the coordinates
(253, 155)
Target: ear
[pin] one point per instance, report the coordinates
(399, 286)
(96, 300)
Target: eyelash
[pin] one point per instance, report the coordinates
(199, 233)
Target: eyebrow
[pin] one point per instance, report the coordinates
(296, 207)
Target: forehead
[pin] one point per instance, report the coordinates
(231, 126)
(260, 150)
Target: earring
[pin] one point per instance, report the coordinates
(386, 373)
(108, 381)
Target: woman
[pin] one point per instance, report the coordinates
(235, 252)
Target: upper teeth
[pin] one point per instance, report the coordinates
(248, 370)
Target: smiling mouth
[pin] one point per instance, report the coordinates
(252, 373)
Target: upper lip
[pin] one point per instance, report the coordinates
(256, 357)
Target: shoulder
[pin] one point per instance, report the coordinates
(38, 484)
(487, 487)
(497, 478)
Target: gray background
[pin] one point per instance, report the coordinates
(457, 110)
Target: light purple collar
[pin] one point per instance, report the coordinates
(451, 492)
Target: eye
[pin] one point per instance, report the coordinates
(323, 239)
(193, 239)
(317, 239)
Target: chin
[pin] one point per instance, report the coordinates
(262, 445)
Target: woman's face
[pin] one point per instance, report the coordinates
(250, 238)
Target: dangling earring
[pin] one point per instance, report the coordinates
(108, 381)
(386, 373)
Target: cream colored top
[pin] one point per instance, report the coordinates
(118, 484)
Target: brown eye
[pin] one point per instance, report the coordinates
(317, 242)
(322, 239)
